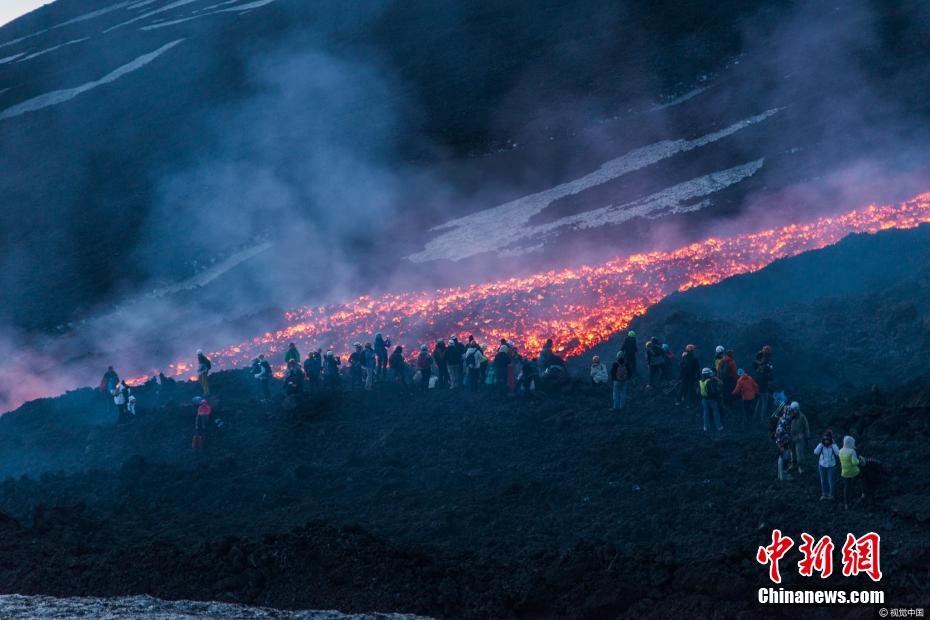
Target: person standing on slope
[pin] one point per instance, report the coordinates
(598, 372)
(800, 430)
(630, 350)
(763, 372)
(619, 380)
(262, 372)
(746, 391)
(203, 372)
(442, 368)
(381, 353)
(424, 367)
(709, 388)
(828, 456)
(689, 371)
(292, 354)
(454, 353)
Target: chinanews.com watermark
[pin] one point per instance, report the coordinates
(780, 596)
(859, 555)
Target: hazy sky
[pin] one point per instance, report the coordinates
(11, 9)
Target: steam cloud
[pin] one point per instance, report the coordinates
(298, 184)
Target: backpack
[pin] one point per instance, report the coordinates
(621, 374)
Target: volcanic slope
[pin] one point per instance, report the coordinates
(847, 317)
(460, 506)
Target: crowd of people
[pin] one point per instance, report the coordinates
(447, 365)
(721, 391)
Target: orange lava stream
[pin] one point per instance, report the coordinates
(578, 308)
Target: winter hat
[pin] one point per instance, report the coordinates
(424, 348)
(707, 372)
(690, 347)
(596, 359)
(740, 372)
(631, 334)
(795, 406)
(719, 349)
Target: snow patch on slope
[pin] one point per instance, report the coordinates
(239, 8)
(492, 229)
(61, 96)
(168, 7)
(673, 200)
(51, 49)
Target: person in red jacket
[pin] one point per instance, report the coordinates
(201, 420)
(746, 391)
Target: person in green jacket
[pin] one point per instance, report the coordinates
(849, 470)
(292, 354)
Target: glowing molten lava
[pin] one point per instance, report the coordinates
(578, 308)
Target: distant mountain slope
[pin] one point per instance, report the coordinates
(144, 140)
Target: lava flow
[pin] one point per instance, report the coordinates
(578, 308)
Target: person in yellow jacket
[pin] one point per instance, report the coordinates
(849, 470)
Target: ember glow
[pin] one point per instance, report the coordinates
(578, 308)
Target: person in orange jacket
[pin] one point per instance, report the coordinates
(746, 391)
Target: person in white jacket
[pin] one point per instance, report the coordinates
(829, 455)
(598, 371)
(121, 400)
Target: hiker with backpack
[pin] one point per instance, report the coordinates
(424, 367)
(109, 381)
(529, 375)
(370, 365)
(313, 368)
(356, 366)
(331, 364)
(398, 366)
(619, 380)
(502, 363)
(655, 361)
(121, 400)
(293, 378)
(689, 371)
(800, 430)
(262, 372)
(630, 349)
(709, 387)
(454, 353)
(381, 354)
(442, 368)
(203, 372)
(201, 422)
(474, 358)
(763, 373)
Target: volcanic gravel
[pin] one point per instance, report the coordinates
(442, 504)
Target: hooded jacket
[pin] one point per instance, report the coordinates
(849, 459)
